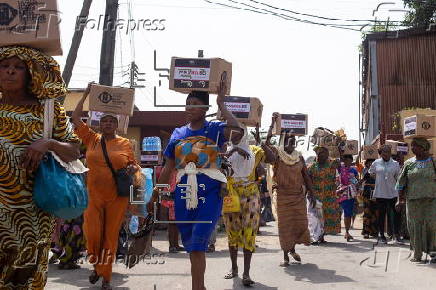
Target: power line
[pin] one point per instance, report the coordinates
(264, 11)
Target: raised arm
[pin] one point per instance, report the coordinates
(77, 114)
(270, 154)
(233, 131)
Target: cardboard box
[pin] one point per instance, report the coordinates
(333, 152)
(351, 147)
(248, 111)
(94, 122)
(291, 123)
(419, 126)
(151, 158)
(32, 23)
(370, 152)
(199, 74)
(398, 146)
(111, 99)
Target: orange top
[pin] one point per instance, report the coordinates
(100, 182)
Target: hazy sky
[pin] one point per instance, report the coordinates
(292, 67)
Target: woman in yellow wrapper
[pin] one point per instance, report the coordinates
(241, 227)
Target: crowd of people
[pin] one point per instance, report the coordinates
(213, 160)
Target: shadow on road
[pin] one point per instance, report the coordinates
(312, 274)
(80, 278)
(237, 285)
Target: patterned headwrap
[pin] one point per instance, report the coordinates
(422, 142)
(46, 80)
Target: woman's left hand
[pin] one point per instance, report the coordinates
(33, 155)
(222, 89)
(241, 152)
(131, 169)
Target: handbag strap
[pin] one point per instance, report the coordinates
(106, 157)
(434, 166)
(48, 118)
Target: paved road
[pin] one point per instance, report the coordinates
(335, 265)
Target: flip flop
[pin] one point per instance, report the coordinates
(247, 282)
(284, 264)
(231, 274)
(93, 278)
(295, 256)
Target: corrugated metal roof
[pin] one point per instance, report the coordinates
(406, 76)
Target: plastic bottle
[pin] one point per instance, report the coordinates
(158, 144)
(148, 187)
(134, 224)
(144, 144)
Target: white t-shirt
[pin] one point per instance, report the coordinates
(386, 174)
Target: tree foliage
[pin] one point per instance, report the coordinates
(422, 13)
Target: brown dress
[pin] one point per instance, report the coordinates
(291, 205)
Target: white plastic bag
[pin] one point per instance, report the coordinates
(315, 220)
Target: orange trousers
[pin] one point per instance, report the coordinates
(102, 223)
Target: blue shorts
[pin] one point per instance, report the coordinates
(195, 236)
(348, 206)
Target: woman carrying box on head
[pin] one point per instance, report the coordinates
(27, 79)
(417, 186)
(106, 209)
(290, 181)
(194, 151)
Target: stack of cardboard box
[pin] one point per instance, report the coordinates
(31, 23)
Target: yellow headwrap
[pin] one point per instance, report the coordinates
(46, 80)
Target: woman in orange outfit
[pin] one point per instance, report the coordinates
(106, 210)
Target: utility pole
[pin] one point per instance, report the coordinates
(134, 73)
(75, 44)
(107, 56)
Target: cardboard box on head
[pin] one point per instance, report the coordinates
(370, 152)
(398, 146)
(116, 100)
(248, 111)
(419, 126)
(32, 23)
(295, 124)
(199, 74)
(94, 121)
(333, 152)
(351, 147)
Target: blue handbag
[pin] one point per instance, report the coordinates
(56, 190)
(59, 192)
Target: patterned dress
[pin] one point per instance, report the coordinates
(241, 227)
(370, 226)
(324, 186)
(25, 230)
(418, 179)
(71, 242)
(200, 147)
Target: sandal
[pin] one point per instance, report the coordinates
(93, 278)
(68, 266)
(295, 256)
(246, 281)
(231, 274)
(284, 264)
(106, 285)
